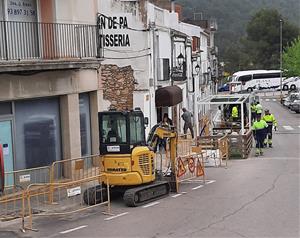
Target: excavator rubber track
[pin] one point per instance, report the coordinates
(146, 193)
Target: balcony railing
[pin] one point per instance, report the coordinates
(48, 41)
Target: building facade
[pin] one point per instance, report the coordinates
(49, 64)
(148, 42)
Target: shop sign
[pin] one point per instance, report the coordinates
(114, 31)
(178, 74)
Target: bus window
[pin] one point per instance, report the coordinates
(245, 79)
(266, 75)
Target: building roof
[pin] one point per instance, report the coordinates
(225, 99)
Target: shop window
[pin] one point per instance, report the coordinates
(164, 69)
(5, 108)
(85, 124)
(38, 135)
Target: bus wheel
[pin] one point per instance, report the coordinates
(249, 89)
(285, 87)
(293, 87)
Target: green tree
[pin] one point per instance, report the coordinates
(291, 59)
(262, 43)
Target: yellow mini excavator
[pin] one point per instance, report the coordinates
(129, 161)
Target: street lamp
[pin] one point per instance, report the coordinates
(197, 68)
(180, 59)
(281, 22)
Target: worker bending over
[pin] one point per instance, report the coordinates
(271, 121)
(253, 111)
(259, 108)
(259, 130)
(234, 114)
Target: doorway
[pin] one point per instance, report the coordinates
(7, 145)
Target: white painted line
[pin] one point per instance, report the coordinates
(299, 126)
(274, 99)
(184, 193)
(176, 195)
(195, 188)
(74, 229)
(289, 128)
(267, 99)
(151, 204)
(211, 181)
(113, 217)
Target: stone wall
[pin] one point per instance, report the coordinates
(118, 86)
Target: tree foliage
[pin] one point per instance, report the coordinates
(232, 17)
(262, 43)
(291, 59)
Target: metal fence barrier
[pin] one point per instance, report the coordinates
(184, 145)
(12, 204)
(42, 181)
(68, 198)
(74, 170)
(22, 178)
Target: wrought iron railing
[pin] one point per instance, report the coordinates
(48, 41)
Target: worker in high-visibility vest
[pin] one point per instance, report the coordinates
(259, 108)
(271, 121)
(234, 113)
(259, 131)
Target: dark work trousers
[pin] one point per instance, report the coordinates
(235, 119)
(253, 116)
(269, 133)
(188, 126)
(260, 136)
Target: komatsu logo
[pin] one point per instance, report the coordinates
(116, 169)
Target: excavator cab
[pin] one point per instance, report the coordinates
(121, 131)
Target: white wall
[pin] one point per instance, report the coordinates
(76, 11)
(136, 53)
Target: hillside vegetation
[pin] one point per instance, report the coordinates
(233, 16)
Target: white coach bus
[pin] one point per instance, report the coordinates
(253, 80)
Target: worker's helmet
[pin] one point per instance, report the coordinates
(267, 110)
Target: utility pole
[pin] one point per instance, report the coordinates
(281, 22)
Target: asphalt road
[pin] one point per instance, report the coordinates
(257, 197)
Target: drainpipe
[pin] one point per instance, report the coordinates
(172, 55)
(172, 6)
(153, 72)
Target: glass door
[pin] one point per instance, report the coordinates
(7, 145)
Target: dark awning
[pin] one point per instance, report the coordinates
(168, 96)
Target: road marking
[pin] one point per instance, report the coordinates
(74, 229)
(274, 99)
(151, 204)
(299, 126)
(113, 217)
(289, 128)
(184, 193)
(176, 195)
(212, 181)
(195, 188)
(267, 100)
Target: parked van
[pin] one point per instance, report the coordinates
(253, 80)
(291, 83)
